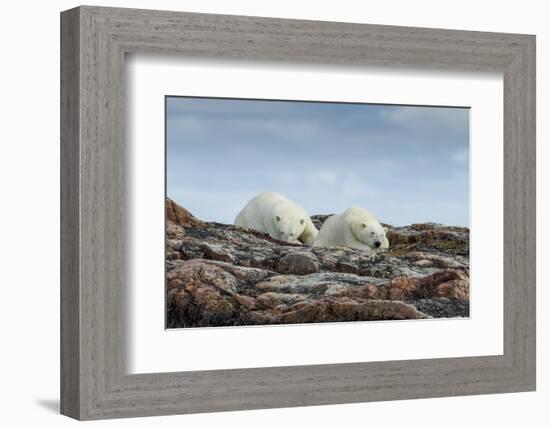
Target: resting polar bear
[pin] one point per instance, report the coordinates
(282, 219)
(355, 228)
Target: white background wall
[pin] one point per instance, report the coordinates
(29, 225)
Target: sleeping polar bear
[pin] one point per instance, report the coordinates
(355, 228)
(282, 219)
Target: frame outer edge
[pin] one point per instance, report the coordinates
(90, 364)
(70, 396)
(532, 138)
(520, 216)
(528, 173)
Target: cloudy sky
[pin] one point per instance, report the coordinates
(405, 164)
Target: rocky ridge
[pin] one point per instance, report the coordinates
(223, 275)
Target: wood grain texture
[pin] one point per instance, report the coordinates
(94, 202)
(70, 220)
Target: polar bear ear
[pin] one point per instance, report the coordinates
(302, 221)
(385, 230)
(277, 218)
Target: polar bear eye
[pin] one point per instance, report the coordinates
(278, 218)
(364, 225)
(302, 221)
(372, 233)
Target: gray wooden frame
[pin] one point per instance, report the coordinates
(94, 41)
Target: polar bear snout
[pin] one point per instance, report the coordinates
(288, 237)
(377, 244)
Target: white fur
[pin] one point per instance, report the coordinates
(355, 228)
(282, 219)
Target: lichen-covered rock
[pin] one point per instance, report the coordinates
(298, 263)
(222, 275)
(180, 216)
(443, 307)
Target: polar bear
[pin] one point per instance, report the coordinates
(355, 228)
(282, 219)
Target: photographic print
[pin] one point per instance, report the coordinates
(295, 212)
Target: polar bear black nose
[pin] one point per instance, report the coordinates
(377, 244)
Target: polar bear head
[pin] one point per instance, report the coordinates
(366, 228)
(289, 224)
(374, 235)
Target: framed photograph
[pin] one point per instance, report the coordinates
(323, 212)
(257, 257)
